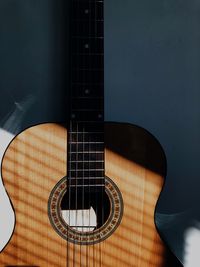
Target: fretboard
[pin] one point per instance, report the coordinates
(86, 127)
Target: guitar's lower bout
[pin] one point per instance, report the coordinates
(34, 164)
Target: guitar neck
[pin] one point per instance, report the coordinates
(86, 127)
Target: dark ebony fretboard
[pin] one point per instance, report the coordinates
(86, 126)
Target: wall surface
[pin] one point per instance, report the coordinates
(152, 80)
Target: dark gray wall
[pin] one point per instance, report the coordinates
(152, 79)
(151, 74)
(33, 56)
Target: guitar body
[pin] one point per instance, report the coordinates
(36, 161)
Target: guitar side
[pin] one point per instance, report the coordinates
(36, 161)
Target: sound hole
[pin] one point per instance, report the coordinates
(85, 212)
(85, 218)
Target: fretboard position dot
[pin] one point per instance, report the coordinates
(86, 11)
(86, 46)
(87, 92)
(99, 116)
(73, 116)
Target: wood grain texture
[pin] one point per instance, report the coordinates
(33, 164)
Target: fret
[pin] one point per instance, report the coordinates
(86, 152)
(86, 121)
(87, 1)
(87, 84)
(84, 147)
(88, 185)
(86, 180)
(86, 165)
(86, 156)
(85, 109)
(89, 128)
(86, 142)
(83, 170)
(78, 150)
(88, 37)
(86, 19)
(87, 69)
(88, 54)
(87, 97)
(85, 174)
(87, 137)
(91, 161)
(86, 133)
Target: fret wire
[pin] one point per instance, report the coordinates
(86, 152)
(86, 132)
(91, 161)
(94, 121)
(86, 142)
(87, 1)
(81, 69)
(86, 20)
(87, 37)
(88, 54)
(87, 97)
(86, 170)
(80, 179)
(87, 83)
(88, 185)
(87, 110)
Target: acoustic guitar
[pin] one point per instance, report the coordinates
(84, 192)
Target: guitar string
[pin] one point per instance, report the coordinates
(89, 137)
(93, 13)
(69, 147)
(83, 172)
(103, 172)
(83, 193)
(78, 130)
(98, 199)
(69, 187)
(76, 201)
(95, 138)
(76, 121)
